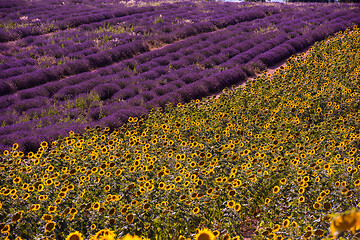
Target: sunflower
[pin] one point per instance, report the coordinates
(129, 237)
(104, 234)
(276, 228)
(276, 189)
(196, 210)
(225, 237)
(286, 223)
(178, 179)
(209, 191)
(5, 229)
(317, 205)
(232, 193)
(75, 236)
(16, 180)
(130, 218)
(343, 222)
(294, 224)
(96, 206)
(283, 181)
(231, 204)
(47, 218)
(327, 206)
(17, 217)
(205, 234)
(50, 226)
(193, 195)
(319, 232)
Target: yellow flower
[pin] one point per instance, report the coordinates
(47, 218)
(96, 206)
(52, 209)
(5, 229)
(104, 234)
(286, 223)
(17, 217)
(294, 224)
(129, 237)
(204, 234)
(50, 226)
(196, 210)
(75, 236)
(16, 180)
(231, 204)
(343, 222)
(15, 146)
(130, 218)
(276, 189)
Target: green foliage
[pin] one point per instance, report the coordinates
(158, 20)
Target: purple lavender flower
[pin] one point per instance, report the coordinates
(5, 88)
(124, 94)
(106, 90)
(33, 92)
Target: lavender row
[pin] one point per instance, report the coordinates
(43, 76)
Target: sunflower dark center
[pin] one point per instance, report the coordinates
(204, 236)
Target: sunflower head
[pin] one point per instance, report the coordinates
(343, 222)
(104, 234)
(75, 236)
(205, 234)
(129, 237)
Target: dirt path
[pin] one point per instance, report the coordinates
(269, 70)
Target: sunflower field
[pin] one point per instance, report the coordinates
(68, 64)
(275, 158)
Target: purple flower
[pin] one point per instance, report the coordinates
(162, 61)
(106, 90)
(124, 94)
(5, 88)
(147, 95)
(149, 84)
(26, 104)
(113, 121)
(193, 91)
(99, 59)
(176, 84)
(191, 77)
(213, 84)
(32, 92)
(162, 90)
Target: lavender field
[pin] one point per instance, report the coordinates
(154, 120)
(68, 65)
